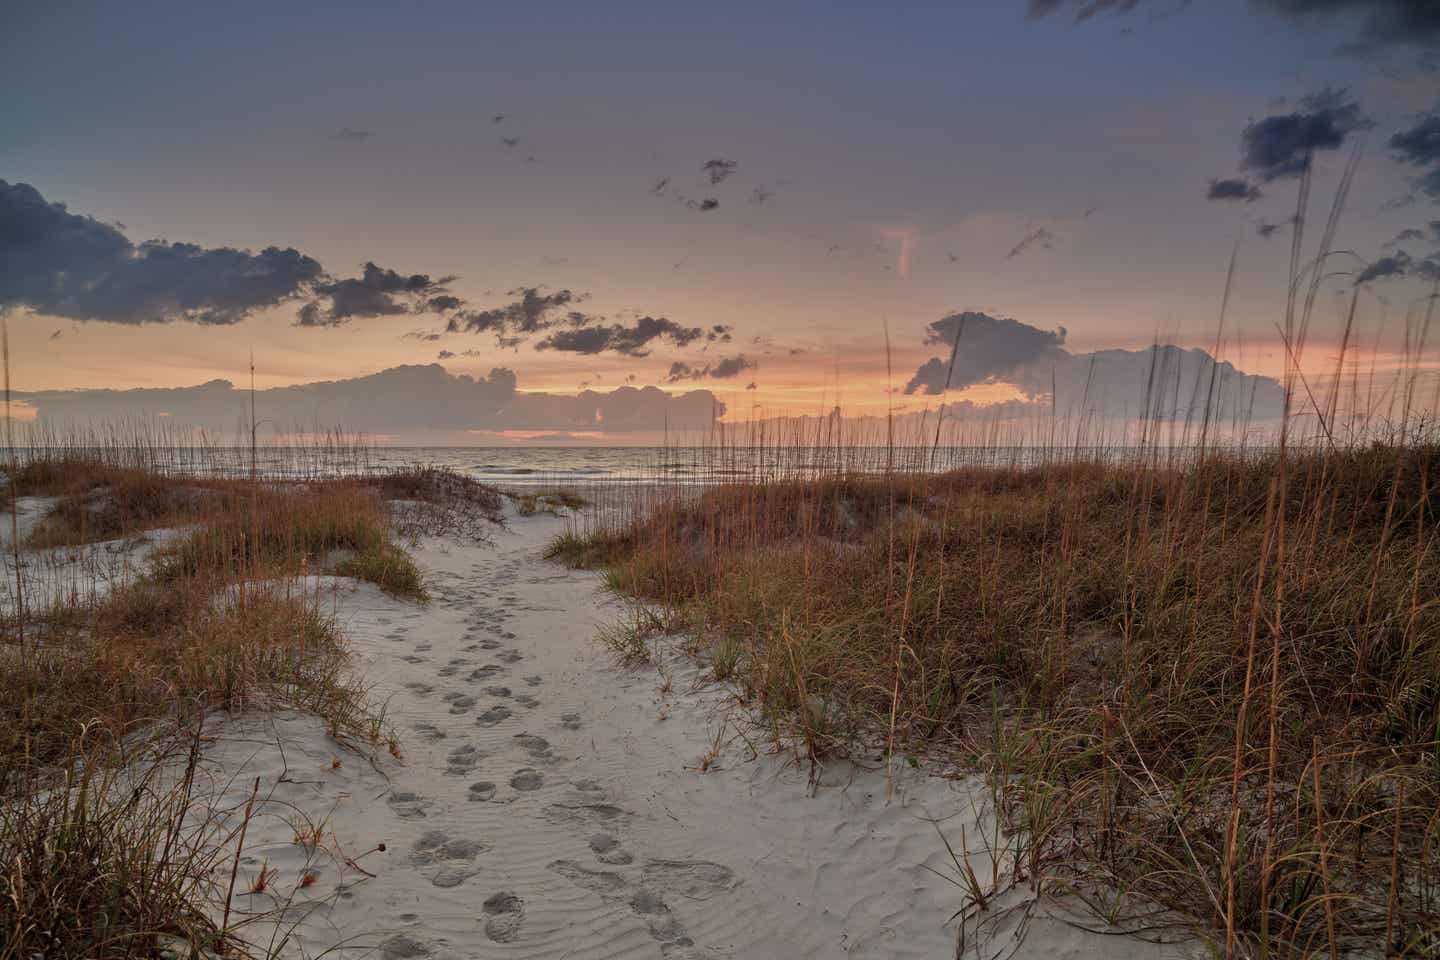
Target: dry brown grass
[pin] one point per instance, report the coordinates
(96, 856)
(1099, 639)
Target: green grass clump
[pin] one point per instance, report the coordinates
(389, 568)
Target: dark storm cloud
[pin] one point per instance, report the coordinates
(403, 399)
(67, 265)
(1040, 236)
(1282, 145)
(1375, 23)
(726, 369)
(377, 292)
(1235, 188)
(635, 340)
(989, 348)
(1419, 146)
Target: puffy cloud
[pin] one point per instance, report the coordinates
(406, 400)
(726, 369)
(1419, 146)
(67, 265)
(1235, 188)
(377, 292)
(1281, 145)
(1110, 383)
(989, 349)
(1039, 236)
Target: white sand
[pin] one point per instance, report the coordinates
(67, 574)
(550, 804)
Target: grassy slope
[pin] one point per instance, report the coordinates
(218, 621)
(1152, 664)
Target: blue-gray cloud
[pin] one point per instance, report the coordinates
(631, 340)
(1282, 145)
(1234, 188)
(990, 348)
(725, 369)
(1419, 146)
(377, 292)
(64, 264)
(1371, 24)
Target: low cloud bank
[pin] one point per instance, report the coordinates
(411, 399)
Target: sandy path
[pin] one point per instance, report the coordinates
(550, 804)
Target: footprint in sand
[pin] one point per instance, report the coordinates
(692, 879)
(537, 747)
(481, 674)
(570, 721)
(503, 913)
(403, 947)
(459, 702)
(525, 700)
(462, 760)
(407, 805)
(428, 731)
(607, 850)
(447, 861)
(481, 790)
(647, 904)
(493, 716)
(586, 814)
(418, 688)
(527, 780)
(535, 681)
(497, 691)
(445, 671)
(411, 658)
(510, 656)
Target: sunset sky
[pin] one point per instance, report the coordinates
(883, 166)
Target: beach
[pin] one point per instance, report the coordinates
(549, 803)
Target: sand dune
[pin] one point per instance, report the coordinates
(550, 804)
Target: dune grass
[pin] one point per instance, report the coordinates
(1192, 682)
(530, 502)
(103, 692)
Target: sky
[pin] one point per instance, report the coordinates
(736, 205)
